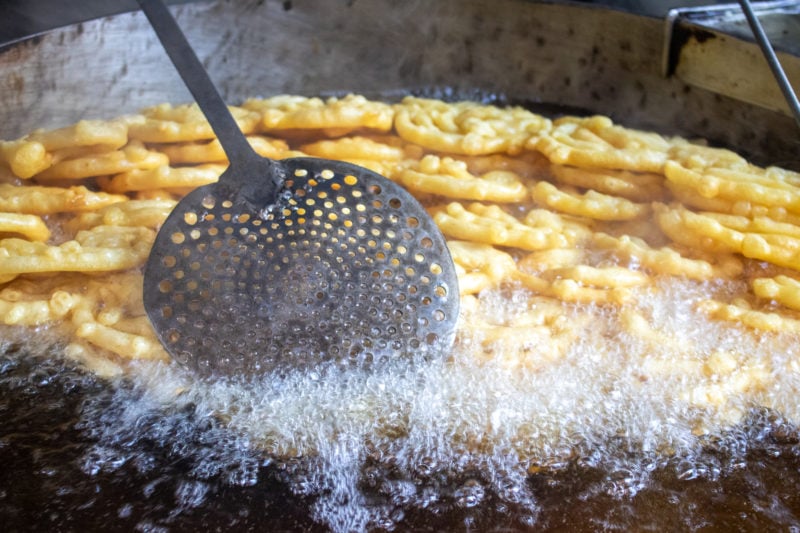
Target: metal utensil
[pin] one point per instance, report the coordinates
(286, 264)
(772, 59)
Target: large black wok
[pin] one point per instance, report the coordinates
(553, 57)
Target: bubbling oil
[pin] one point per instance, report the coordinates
(460, 439)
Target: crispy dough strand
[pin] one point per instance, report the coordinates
(590, 204)
(29, 226)
(489, 225)
(184, 123)
(100, 249)
(448, 177)
(40, 200)
(466, 127)
(36, 152)
(596, 142)
(760, 320)
(200, 152)
(635, 186)
(782, 289)
(132, 156)
(669, 261)
(287, 112)
(163, 177)
(480, 266)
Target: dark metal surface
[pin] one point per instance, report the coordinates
(20, 19)
(714, 49)
(772, 59)
(580, 56)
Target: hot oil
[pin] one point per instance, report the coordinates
(609, 435)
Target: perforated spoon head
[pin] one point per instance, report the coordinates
(339, 265)
(289, 264)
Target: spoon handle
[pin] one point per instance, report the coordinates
(196, 78)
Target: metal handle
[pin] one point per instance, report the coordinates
(196, 78)
(772, 59)
(716, 47)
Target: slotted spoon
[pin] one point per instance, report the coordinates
(287, 264)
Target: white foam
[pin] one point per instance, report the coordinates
(369, 442)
